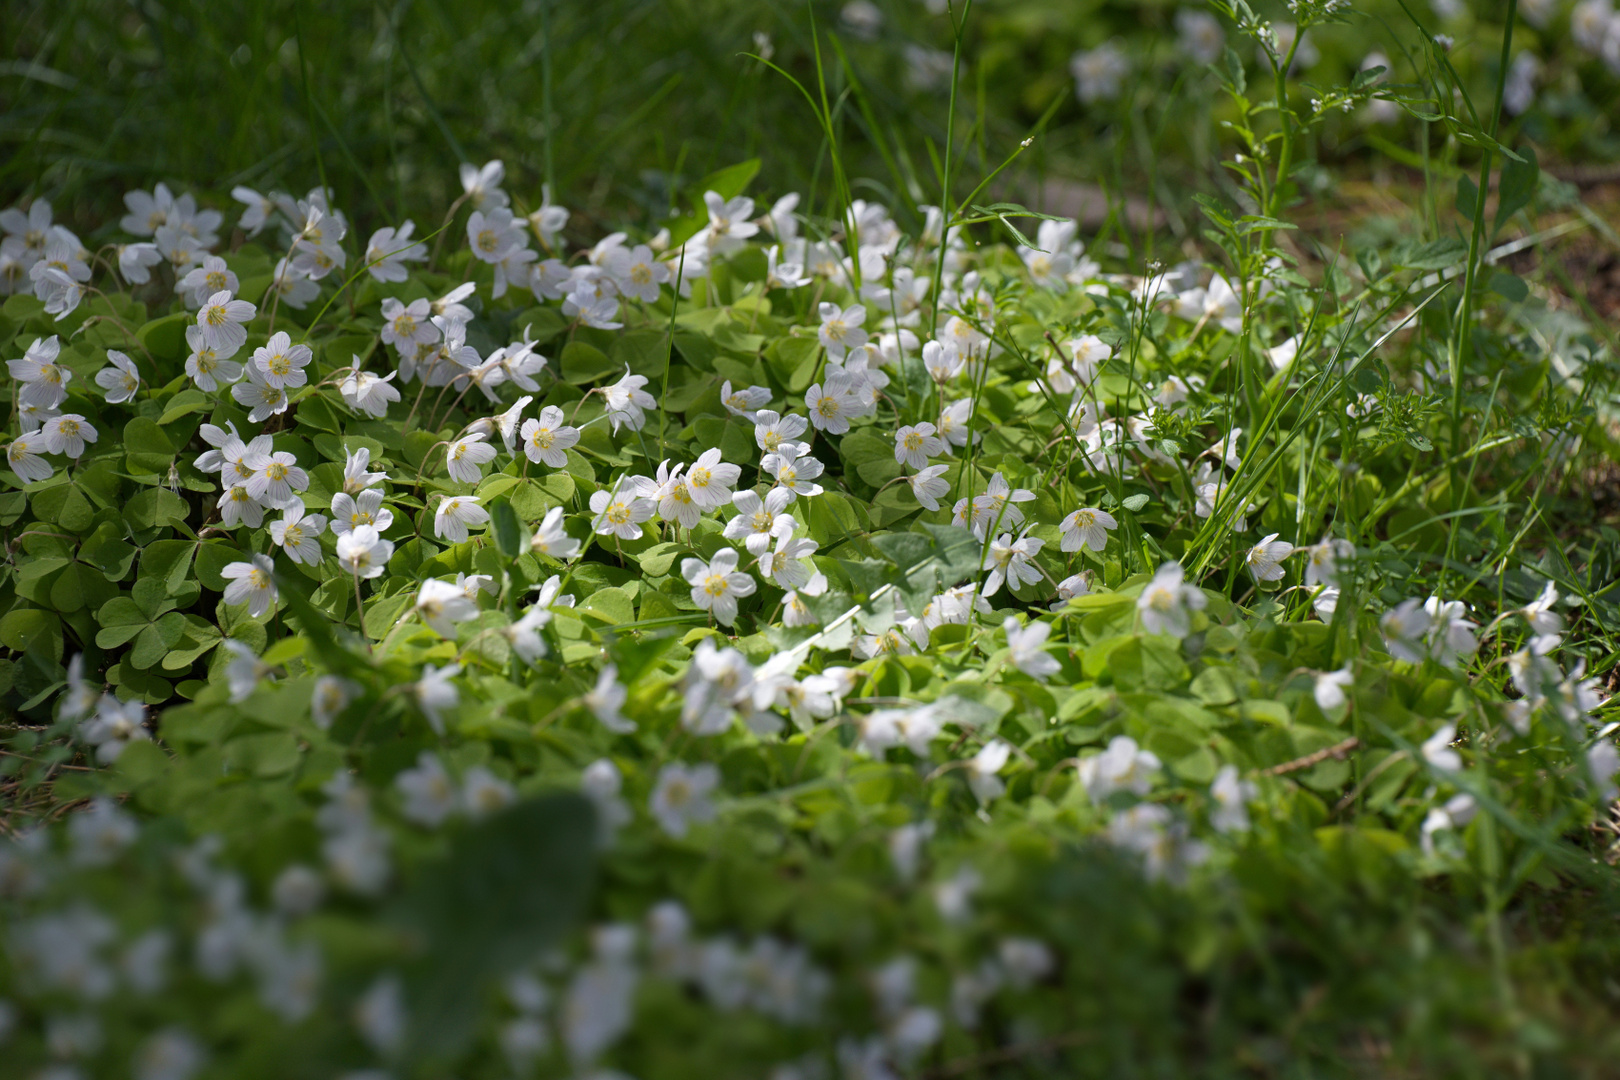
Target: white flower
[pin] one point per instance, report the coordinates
(548, 220)
(637, 272)
(789, 564)
(1603, 761)
(1123, 766)
(1451, 636)
(929, 485)
(682, 796)
(915, 444)
(997, 508)
(171, 1054)
(408, 326)
(67, 434)
(368, 393)
(1200, 35)
(23, 455)
(221, 320)
(524, 634)
(482, 184)
(262, 399)
(1281, 356)
(1211, 492)
(1322, 560)
(251, 583)
(1071, 587)
(983, 767)
(728, 221)
(1086, 528)
(115, 725)
(483, 793)
(716, 680)
(1164, 603)
(601, 783)
(619, 512)
(1232, 796)
(1458, 811)
(841, 329)
(1330, 687)
(1028, 648)
(547, 438)
(202, 282)
(494, 236)
(772, 432)
(331, 696)
(364, 553)
(44, 380)
(627, 401)
(441, 605)
(793, 469)
(275, 478)
(1011, 561)
(1148, 830)
(206, 367)
(237, 507)
(365, 507)
(434, 692)
(606, 698)
(1437, 749)
(389, 249)
(429, 793)
(296, 534)
(1265, 558)
(101, 832)
(551, 539)
(465, 455)
(1405, 629)
(832, 404)
(717, 584)
(1539, 612)
(744, 402)
(453, 516)
(120, 381)
(710, 480)
(1098, 73)
(760, 521)
(953, 896)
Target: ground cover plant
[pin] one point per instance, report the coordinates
(817, 635)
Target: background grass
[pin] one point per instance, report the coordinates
(618, 102)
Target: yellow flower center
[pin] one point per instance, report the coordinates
(618, 513)
(715, 585)
(405, 326)
(913, 440)
(698, 478)
(258, 579)
(827, 407)
(215, 315)
(641, 274)
(276, 471)
(216, 281)
(279, 364)
(543, 438)
(488, 241)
